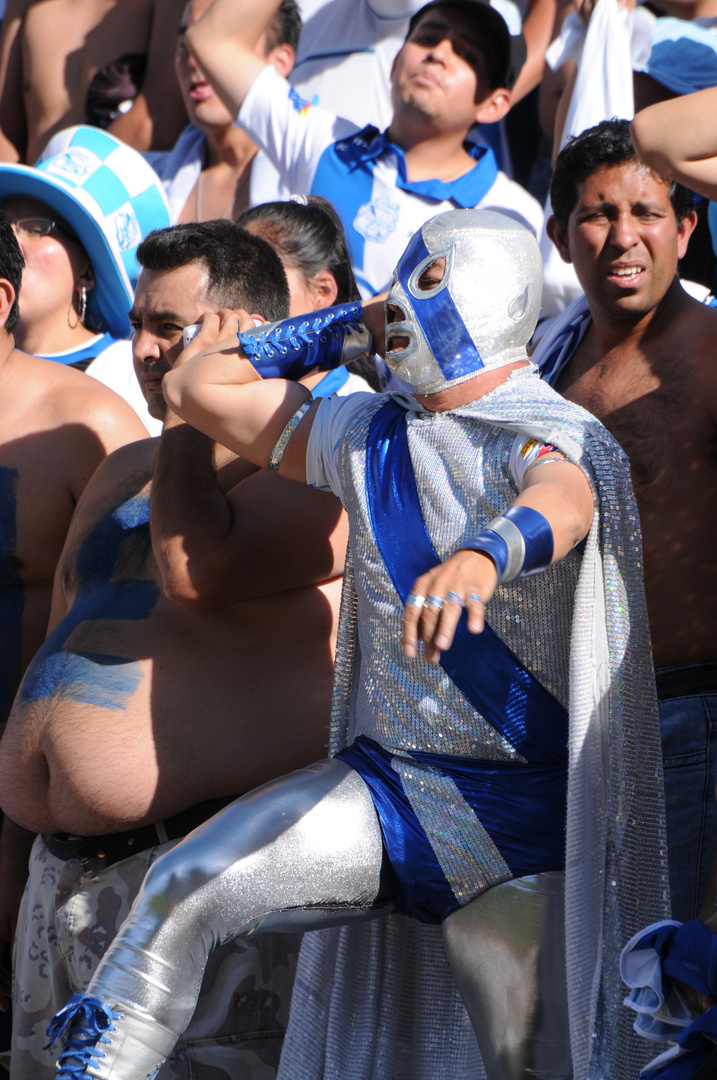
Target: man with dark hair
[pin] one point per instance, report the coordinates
(144, 710)
(637, 351)
(454, 70)
(605, 146)
(241, 269)
(215, 169)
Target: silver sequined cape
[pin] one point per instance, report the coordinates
(376, 1002)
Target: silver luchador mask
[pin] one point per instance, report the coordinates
(480, 314)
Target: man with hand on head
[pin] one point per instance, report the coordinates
(450, 803)
(139, 716)
(214, 169)
(455, 69)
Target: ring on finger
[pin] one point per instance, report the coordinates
(453, 597)
(434, 602)
(415, 599)
(475, 597)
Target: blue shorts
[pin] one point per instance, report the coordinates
(521, 806)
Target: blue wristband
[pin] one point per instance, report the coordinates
(520, 542)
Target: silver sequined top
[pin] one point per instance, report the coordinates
(463, 478)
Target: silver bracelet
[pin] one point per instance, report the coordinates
(283, 441)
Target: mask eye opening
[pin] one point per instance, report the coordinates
(426, 293)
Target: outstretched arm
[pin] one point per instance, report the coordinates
(678, 139)
(217, 391)
(223, 43)
(558, 492)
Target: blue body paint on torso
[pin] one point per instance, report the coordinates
(97, 678)
(12, 594)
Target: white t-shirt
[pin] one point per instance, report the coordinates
(363, 174)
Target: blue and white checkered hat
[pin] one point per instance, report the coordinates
(110, 197)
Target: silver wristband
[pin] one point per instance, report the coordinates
(282, 442)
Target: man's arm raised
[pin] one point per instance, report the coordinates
(678, 139)
(218, 392)
(561, 495)
(223, 43)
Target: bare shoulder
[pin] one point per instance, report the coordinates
(80, 419)
(122, 475)
(69, 396)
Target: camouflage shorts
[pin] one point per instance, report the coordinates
(68, 919)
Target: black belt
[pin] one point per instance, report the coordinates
(681, 680)
(98, 852)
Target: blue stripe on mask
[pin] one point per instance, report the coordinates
(439, 319)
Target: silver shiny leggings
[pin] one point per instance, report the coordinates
(305, 852)
(506, 949)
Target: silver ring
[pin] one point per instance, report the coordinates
(415, 599)
(475, 597)
(434, 602)
(454, 597)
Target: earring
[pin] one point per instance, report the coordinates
(83, 304)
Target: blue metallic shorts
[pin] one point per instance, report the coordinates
(521, 806)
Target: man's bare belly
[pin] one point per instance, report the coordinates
(132, 720)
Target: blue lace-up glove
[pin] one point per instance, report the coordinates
(326, 339)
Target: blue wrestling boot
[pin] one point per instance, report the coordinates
(326, 339)
(104, 1041)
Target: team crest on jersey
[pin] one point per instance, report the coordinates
(377, 220)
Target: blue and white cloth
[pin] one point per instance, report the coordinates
(364, 175)
(683, 56)
(653, 964)
(561, 339)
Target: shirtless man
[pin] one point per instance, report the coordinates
(50, 52)
(638, 352)
(47, 456)
(214, 169)
(137, 709)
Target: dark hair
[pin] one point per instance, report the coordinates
(284, 27)
(11, 267)
(495, 59)
(608, 143)
(308, 236)
(244, 270)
